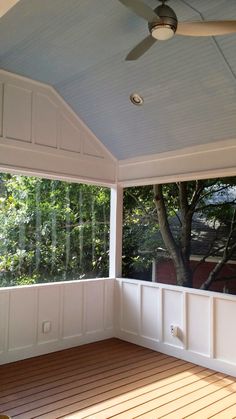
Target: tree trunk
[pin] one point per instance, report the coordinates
(180, 259)
(184, 276)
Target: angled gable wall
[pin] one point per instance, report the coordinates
(39, 133)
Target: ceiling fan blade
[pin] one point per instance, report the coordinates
(6, 5)
(210, 28)
(140, 9)
(141, 48)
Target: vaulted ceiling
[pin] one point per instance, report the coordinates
(79, 47)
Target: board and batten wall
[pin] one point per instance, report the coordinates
(40, 134)
(141, 312)
(145, 312)
(79, 312)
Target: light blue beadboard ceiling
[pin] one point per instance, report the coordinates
(79, 46)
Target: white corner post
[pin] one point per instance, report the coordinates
(116, 224)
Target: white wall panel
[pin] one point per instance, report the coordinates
(22, 318)
(94, 306)
(173, 303)
(225, 338)
(150, 312)
(91, 149)
(198, 323)
(72, 310)
(130, 307)
(17, 112)
(3, 319)
(109, 304)
(207, 335)
(45, 121)
(48, 310)
(70, 135)
(79, 312)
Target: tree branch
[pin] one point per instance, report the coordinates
(215, 205)
(163, 222)
(200, 185)
(138, 202)
(213, 192)
(186, 217)
(232, 229)
(225, 278)
(183, 198)
(226, 256)
(208, 254)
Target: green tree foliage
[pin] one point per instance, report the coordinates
(139, 231)
(52, 230)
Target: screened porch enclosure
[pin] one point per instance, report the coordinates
(42, 136)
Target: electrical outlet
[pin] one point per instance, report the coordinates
(174, 330)
(46, 327)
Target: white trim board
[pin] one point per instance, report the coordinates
(206, 161)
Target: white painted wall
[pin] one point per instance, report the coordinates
(39, 133)
(79, 312)
(205, 320)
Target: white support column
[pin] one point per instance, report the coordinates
(154, 270)
(116, 223)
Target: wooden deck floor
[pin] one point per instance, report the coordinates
(114, 379)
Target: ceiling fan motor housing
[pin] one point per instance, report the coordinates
(167, 19)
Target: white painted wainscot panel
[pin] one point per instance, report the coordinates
(78, 312)
(145, 312)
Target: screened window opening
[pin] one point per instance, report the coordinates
(182, 233)
(52, 230)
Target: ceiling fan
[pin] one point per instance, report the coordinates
(163, 24)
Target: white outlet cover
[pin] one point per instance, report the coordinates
(174, 330)
(46, 327)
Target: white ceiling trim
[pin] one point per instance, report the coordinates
(205, 161)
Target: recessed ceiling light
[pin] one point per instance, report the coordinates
(136, 99)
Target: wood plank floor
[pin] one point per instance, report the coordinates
(114, 379)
